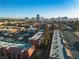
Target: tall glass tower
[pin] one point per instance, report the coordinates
(37, 17)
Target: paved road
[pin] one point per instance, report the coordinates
(69, 37)
(72, 39)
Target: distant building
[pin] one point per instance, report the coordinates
(26, 18)
(59, 17)
(64, 17)
(37, 17)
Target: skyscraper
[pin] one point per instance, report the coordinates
(37, 17)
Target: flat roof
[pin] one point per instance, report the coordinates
(16, 45)
(37, 35)
(56, 46)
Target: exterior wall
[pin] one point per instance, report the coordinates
(35, 42)
(13, 53)
(4, 50)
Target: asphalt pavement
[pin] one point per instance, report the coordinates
(70, 37)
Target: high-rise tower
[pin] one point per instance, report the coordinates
(37, 17)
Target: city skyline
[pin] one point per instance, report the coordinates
(46, 8)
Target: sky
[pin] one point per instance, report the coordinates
(46, 8)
